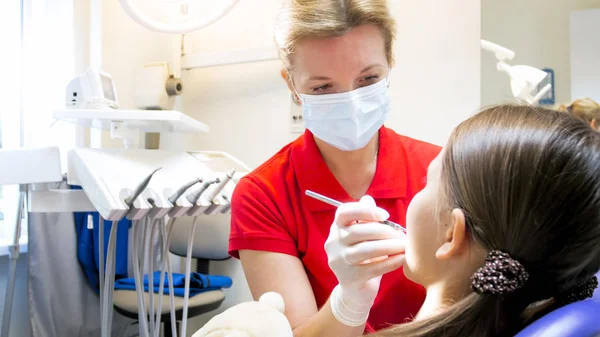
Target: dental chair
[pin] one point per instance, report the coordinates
(579, 319)
(210, 244)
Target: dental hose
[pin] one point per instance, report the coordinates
(169, 272)
(142, 318)
(188, 271)
(144, 242)
(156, 316)
(138, 279)
(164, 262)
(142, 266)
(151, 316)
(161, 279)
(144, 249)
(107, 300)
(101, 253)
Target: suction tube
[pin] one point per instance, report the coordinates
(139, 286)
(188, 271)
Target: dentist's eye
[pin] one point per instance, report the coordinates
(368, 80)
(321, 88)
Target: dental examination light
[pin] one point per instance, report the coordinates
(524, 80)
(177, 28)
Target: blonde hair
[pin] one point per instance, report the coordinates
(584, 108)
(300, 19)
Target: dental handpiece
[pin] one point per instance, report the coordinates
(220, 185)
(194, 197)
(182, 189)
(336, 203)
(138, 190)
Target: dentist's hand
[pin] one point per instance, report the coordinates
(359, 254)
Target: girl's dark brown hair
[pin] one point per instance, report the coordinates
(528, 182)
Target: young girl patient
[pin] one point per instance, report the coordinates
(508, 226)
(506, 230)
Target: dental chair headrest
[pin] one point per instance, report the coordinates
(579, 319)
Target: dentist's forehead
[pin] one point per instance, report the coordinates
(348, 54)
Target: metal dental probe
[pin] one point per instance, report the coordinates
(336, 203)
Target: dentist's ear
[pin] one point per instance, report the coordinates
(455, 240)
(288, 80)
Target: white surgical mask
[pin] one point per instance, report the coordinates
(348, 120)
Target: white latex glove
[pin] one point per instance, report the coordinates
(359, 254)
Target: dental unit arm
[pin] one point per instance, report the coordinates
(524, 80)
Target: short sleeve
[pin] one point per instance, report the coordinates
(423, 152)
(257, 222)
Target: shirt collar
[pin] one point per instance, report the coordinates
(312, 172)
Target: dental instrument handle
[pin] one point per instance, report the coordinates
(182, 189)
(220, 185)
(141, 187)
(194, 197)
(323, 198)
(336, 203)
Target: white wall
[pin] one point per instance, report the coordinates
(436, 82)
(585, 54)
(434, 86)
(125, 45)
(538, 32)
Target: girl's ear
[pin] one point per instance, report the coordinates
(455, 241)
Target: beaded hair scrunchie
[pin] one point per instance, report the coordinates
(577, 293)
(500, 275)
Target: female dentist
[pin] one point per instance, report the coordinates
(336, 56)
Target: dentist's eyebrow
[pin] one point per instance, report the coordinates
(376, 65)
(318, 78)
(325, 78)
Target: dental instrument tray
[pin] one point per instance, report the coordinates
(143, 120)
(109, 177)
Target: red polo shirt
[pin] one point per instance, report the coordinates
(270, 212)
